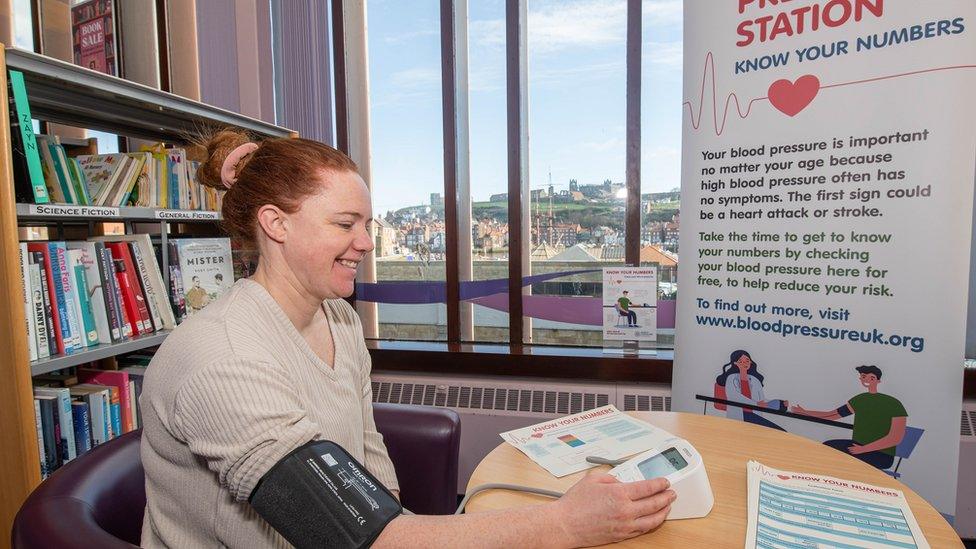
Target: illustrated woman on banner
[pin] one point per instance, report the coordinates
(742, 383)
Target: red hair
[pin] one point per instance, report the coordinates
(281, 171)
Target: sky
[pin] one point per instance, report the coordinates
(577, 96)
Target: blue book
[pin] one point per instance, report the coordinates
(81, 416)
(61, 297)
(116, 419)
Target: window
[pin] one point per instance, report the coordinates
(488, 175)
(407, 171)
(661, 91)
(576, 202)
(577, 118)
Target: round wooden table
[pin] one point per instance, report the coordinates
(725, 446)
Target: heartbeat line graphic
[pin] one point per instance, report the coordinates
(791, 110)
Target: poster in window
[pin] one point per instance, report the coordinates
(630, 304)
(93, 34)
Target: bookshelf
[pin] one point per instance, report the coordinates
(63, 93)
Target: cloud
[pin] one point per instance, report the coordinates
(557, 25)
(591, 72)
(400, 38)
(412, 83)
(614, 144)
(667, 55)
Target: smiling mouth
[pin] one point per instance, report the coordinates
(348, 263)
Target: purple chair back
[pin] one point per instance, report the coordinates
(98, 499)
(424, 444)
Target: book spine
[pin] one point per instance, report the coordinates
(89, 259)
(128, 297)
(109, 291)
(107, 414)
(81, 416)
(138, 289)
(128, 325)
(65, 423)
(176, 283)
(90, 331)
(60, 171)
(53, 329)
(152, 300)
(134, 417)
(116, 413)
(59, 299)
(28, 296)
(40, 438)
(37, 314)
(96, 410)
(27, 138)
(51, 437)
(70, 295)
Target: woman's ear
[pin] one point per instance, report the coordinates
(273, 222)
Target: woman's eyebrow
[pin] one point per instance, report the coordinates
(357, 215)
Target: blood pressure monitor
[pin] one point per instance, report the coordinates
(678, 461)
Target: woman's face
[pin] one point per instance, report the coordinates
(333, 236)
(743, 363)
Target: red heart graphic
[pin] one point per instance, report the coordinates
(792, 97)
(784, 477)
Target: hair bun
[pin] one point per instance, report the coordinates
(219, 146)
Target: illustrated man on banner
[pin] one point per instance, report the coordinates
(879, 421)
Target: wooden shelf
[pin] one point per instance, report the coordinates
(46, 365)
(68, 94)
(65, 212)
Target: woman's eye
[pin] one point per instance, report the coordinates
(345, 226)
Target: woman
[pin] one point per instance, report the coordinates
(743, 383)
(279, 360)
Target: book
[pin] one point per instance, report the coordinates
(86, 315)
(40, 438)
(66, 424)
(30, 175)
(129, 286)
(134, 405)
(110, 292)
(116, 410)
(206, 268)
(112, 378)
(49, 155)
(37, 313)
(97, 397)
(128, 325)
(137, 375)
(66, 293)
(86, 257)
(60, 330)
(101, 171)
(176, 291)
(93, 33)
(49, 316)
(81, 416)
(64, 165)
(27, 293)
(51, 431)
(144, 257)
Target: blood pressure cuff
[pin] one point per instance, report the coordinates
(320, 496)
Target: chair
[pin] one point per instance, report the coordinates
(621, 314)
(98, 499)
(905, 448)
(424, 444)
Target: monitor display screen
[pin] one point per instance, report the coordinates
(663, 464)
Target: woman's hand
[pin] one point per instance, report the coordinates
(600, 509)
(797, 409)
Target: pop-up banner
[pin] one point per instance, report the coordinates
(827, 191)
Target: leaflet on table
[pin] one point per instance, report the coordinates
(562, 445)
(789, 509)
